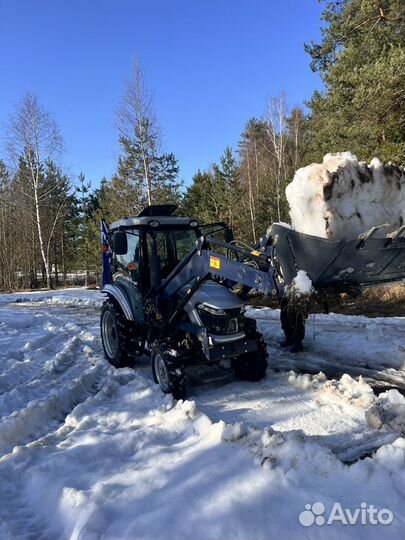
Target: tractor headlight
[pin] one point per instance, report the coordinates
(212, 310)
(219, 321)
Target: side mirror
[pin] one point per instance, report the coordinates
(120, 243)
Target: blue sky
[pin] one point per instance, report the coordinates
(210, 64)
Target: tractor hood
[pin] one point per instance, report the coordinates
(216, 295)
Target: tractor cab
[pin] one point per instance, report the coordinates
(145, 249)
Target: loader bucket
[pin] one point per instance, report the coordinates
(358, 262)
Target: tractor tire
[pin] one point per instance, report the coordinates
(117, 336)
(168, 371)
(252, 366)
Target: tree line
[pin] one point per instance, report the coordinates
(49, 225)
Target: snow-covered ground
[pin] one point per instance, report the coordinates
(89, 452)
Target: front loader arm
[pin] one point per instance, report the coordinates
(203, 263)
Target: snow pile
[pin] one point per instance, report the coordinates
(343, 197)
(293, 454)
(354, 392)
(388, 413)
(300, 286)
(202, 425)
(306, 381)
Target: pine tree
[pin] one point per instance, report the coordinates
(361, 59)
(143, 167)
(199, 199)
(55, 199)
(83, 210)
(140, 154)
(228, 189)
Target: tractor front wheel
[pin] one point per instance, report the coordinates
(168, 371)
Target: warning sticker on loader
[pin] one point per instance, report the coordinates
(215, 263)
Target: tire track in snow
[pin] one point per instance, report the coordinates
(334, 367)
(26, 524)
(24, 348)
(373, 348)
(43, 415)
(285, 407)
(28, 371)
(66, 365)
(66, 371)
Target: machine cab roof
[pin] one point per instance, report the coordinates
(155, 216)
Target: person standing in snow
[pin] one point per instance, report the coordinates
(293, 324)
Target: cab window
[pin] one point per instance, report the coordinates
(129, 263)
(171, 246)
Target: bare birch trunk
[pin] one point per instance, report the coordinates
(34, 136)
(251, 200)
(276, 130)
(45, 261)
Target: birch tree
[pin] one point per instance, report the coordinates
(277, 138)
(34, 136)
(143, 162)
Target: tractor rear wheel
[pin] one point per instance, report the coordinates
(252, 366)
(116, 336)
(169, 371)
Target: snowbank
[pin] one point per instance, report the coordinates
(343, 197)
(74, 296)
(130, 463)
(388, 413)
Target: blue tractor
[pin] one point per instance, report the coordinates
(175, 289)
